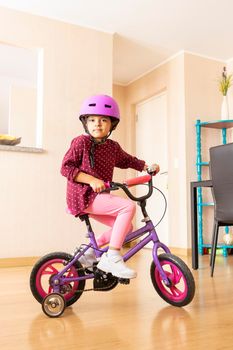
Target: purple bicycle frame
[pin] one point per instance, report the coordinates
(151, 237)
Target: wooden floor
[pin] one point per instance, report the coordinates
(128, 317)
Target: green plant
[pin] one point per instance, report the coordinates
(225, 82)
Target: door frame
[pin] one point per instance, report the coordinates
(163, 93)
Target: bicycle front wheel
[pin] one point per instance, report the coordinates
(181, 288)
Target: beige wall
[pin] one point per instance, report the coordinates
(77, 63)
(202, 101)
(190, 82)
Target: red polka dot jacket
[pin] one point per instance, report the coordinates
(107, 156)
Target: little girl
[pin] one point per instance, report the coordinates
(87, 165)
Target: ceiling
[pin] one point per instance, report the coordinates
(146, 32)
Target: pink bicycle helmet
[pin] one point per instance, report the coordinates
(100, 105)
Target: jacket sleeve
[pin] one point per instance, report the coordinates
(72, 159)
(125, 160)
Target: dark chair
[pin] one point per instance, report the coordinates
(221, 173)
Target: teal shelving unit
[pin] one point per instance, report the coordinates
(222, 125)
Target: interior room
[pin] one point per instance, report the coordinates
(163, 62)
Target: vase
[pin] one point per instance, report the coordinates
(225, 108)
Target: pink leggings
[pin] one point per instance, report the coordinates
(113, 211)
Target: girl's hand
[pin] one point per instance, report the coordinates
(153, 168)
(97, 185)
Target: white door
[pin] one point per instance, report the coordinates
(151, 145)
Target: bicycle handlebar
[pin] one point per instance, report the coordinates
(112, 186)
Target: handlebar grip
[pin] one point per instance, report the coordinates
(137, 180)
(107, 184)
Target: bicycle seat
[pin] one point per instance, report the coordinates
(83, 216)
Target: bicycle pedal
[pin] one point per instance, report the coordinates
(124, 280)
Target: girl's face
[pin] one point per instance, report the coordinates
(98, 126)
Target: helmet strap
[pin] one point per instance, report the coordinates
(94, 143)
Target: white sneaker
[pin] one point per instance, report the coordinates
(88, 258)
(116, 266)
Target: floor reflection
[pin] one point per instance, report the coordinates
(171, 327)
(69, 332)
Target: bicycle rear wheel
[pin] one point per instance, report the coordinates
(181, 289)
(50, 265)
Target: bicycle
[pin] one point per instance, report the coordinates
(58, 279)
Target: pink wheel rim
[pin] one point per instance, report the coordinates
(178, 289)
(47, 270)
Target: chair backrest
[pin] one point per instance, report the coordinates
(221, 173)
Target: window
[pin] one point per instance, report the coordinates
(21, 97)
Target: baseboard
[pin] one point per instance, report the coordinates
(18, 262)
(30, 260)
(178, 251)
(181, 251)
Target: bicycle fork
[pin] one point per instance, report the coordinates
(151, 237)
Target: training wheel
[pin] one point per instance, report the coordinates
(54, 305)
